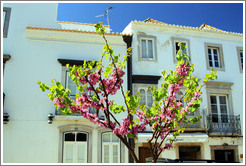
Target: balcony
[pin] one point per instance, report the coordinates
(224, 124)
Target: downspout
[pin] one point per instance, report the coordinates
(128, 40)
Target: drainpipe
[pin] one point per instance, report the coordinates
(128, 40)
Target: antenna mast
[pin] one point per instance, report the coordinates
(106, 13)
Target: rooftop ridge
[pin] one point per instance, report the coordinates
(78, 23)
(207, 28)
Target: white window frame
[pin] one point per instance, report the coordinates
(75, 145)
(175, 40)
(111, 144)
(140, 55)
(138, 86)
(219, 49)
(220, 88)
(218, 104)
(240, 63)
(65, 79)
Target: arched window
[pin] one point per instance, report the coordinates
(75, 147)
(110, 148)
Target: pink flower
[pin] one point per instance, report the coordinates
(182, 69)
(58, 101)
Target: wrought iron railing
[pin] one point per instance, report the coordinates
(224, 123)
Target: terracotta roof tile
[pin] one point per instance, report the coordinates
(77, 31)
(153, 21)
(205, 26)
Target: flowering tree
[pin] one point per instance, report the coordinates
(163, 118)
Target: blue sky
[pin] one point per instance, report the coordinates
(225, 16)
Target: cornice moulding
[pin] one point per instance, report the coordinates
(184, 30)
(72, 36)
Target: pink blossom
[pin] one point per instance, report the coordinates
(58, 101)
(182, 69)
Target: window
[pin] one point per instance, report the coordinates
(68, 82)
(214, 56)
(147, 48)
(75, 147)
(175, 42)
(110, 148)
(6, 18)
(179, 98)
(146, 97)
(221, 118)
(240, 58)
(219, 108)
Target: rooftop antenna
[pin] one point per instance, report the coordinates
(106, 13)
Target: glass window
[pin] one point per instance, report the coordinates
(213, 57)
(219, 108)
(147, 50)
(110, 148)
(146, 97)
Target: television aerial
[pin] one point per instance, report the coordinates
(106, 13)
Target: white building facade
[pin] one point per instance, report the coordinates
(219, 134)
(37, 47)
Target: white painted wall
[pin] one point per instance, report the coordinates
(28, 138)
(163, 35)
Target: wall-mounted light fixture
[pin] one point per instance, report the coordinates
(50, 118)
(5, 118)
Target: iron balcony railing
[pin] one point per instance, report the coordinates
(224, 123)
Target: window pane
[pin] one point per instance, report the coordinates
(68, 158)
(209, 51)
(70, 137)
(115, 154)
(142, 93)
(115, 138)
(222, 99)
(214, 109)
(213, 100)
(215, 118)
(82, 153)
(176, 46)
(106, 153)
(106, 137)
(215, 51)
(216, 64)
(81, 137)
(144, 49)
(224, 118)
(150, 49)
(70, 84)
(210, 57)
(211, 63)
(215, 57)
(223, 109)
(149, 98)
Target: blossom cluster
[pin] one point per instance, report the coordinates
(182, 69)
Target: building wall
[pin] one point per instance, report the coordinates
(28, 138)
(164, 37)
